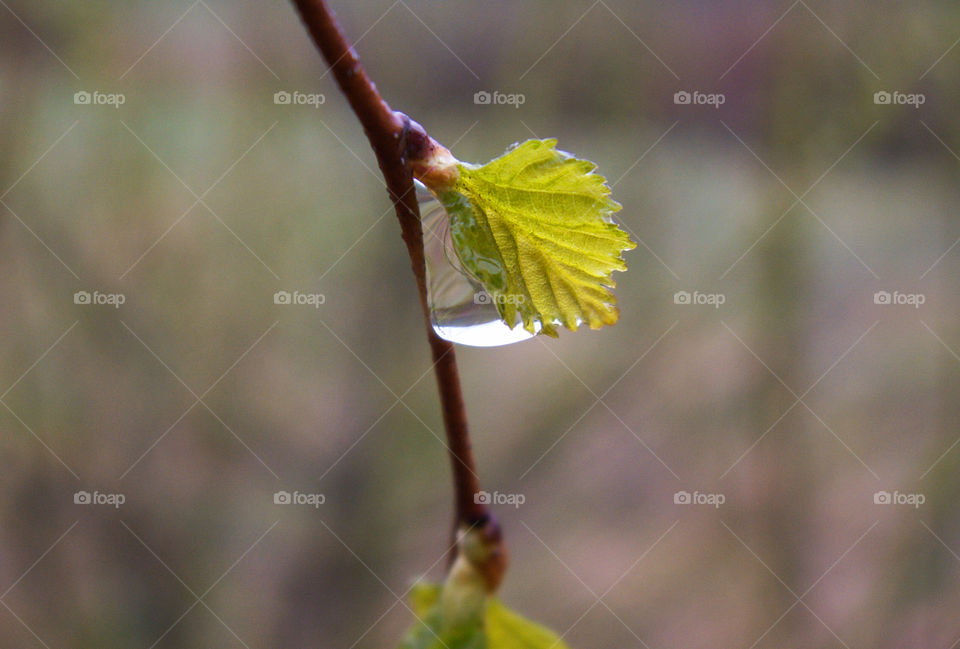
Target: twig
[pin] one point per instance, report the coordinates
(387, 130)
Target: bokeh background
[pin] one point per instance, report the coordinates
(796, 400)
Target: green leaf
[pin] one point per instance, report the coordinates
(431, 633)
(423, 597)
(507, 630)
(499, 628)
(534, 227)
(434, 629)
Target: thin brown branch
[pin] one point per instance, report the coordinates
(387, 130)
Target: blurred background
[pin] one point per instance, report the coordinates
(762, 453)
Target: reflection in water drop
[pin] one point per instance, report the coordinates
(460, 309)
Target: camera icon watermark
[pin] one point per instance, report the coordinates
(697, 98)
(97, 98)
(897, 98)
(297, 498)
(99, 299)
(497, 498)
(296, 298)
(97, 498)
(497, 98)
(297, 98)
(897, 298)
(896, 498)
(482, 297)
(697, 498)
(697, 298)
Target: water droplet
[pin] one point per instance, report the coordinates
(461, 311)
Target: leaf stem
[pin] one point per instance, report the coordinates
(387, 132)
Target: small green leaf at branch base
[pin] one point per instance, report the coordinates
(498, 628)
(507, 630)
(535, 228)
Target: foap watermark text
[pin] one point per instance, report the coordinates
(485, 298)
(497, 498)
(297, 98)
(698, 498)
(497, 98)
(99, 299)
(697, 98)
(897, 98)
(899, 299)
(698, 298)
(97, 498)
(297, 498)
(296, 298)
(97, 98)
(897, 498)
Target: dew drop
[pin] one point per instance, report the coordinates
(461, 311)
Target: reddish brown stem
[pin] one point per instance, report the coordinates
(387, 132)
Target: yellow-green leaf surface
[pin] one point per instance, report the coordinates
(433, 630)
(534, 226)
(423, 597)
(500, 627)
(507, 630)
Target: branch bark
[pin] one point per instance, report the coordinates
(388, 132)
